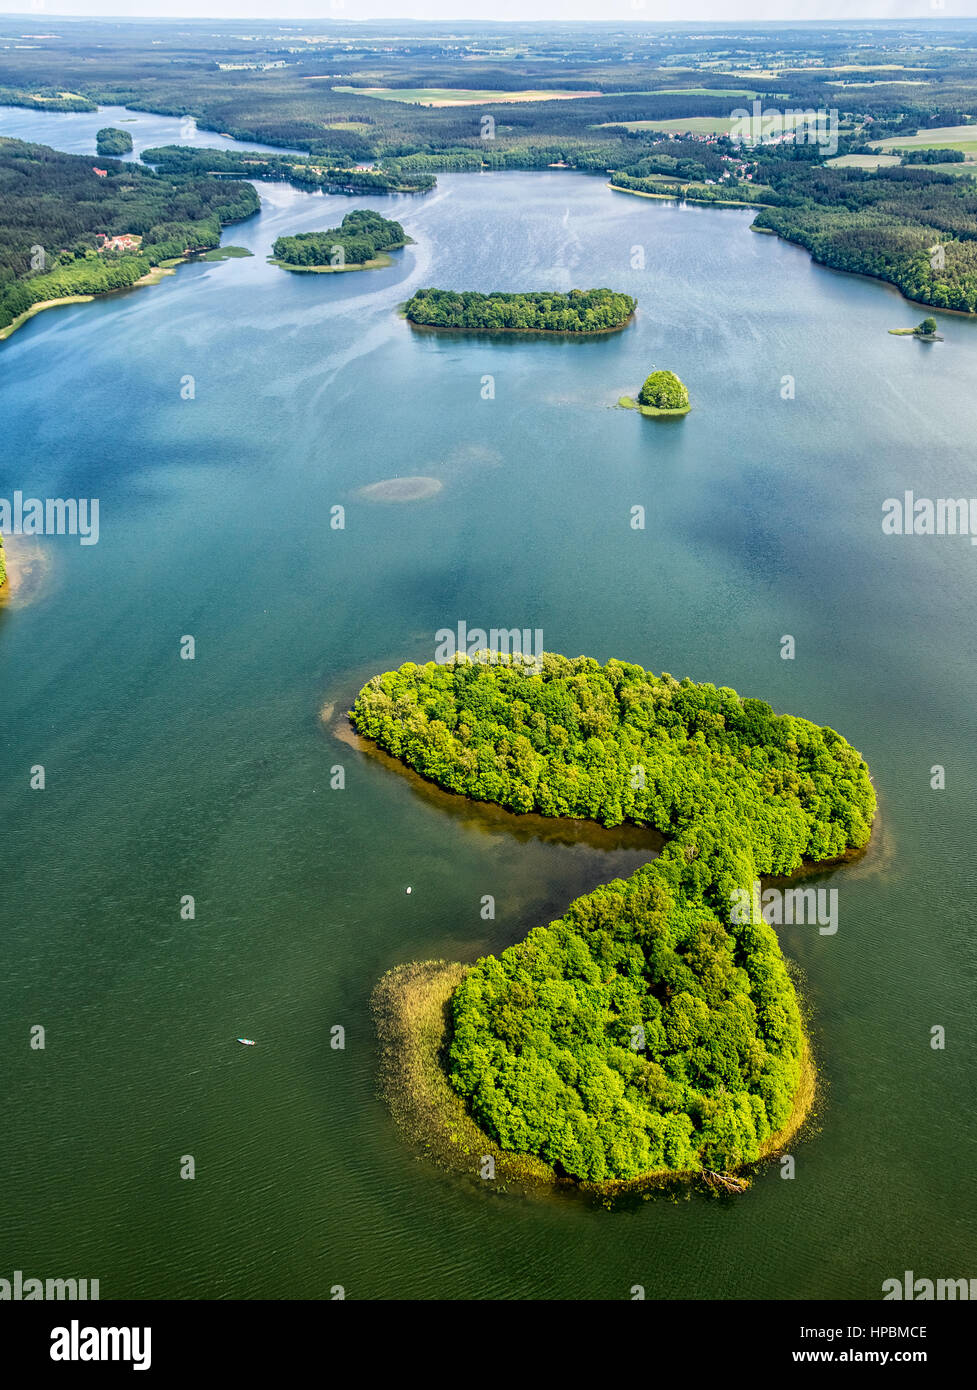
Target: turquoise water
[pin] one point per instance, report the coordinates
(212, 777)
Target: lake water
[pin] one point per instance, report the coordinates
(211, 777)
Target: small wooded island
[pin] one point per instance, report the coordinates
(654, 1029)
(113, 142)
(543, 311)
(360, 242)
(925, 331)
(661, 394)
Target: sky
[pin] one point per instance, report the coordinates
(482, 11)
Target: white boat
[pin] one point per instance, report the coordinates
(248, 1042)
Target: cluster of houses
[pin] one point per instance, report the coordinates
(118, 243)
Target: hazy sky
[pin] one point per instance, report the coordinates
(671, 11)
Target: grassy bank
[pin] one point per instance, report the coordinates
(687, 195)
(152, 277)
(629, 403)
(377, 263)
(39, 308)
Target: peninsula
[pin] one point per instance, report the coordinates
(544, 311)
(306, 172)
(113, 227)
(654, 1029)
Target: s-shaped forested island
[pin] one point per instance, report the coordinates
(653, 1031)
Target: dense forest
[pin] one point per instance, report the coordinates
(914, 226)
(649, 1028)
(110, 141)
(56, 212)
(886, 223)
(579, 311)
(359, 238)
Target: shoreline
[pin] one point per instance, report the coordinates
(652, 411)
(864, 275)
(539, 332)
(378, 263)
(39, 308)
(152, 277)
(410, 1006)
(687, 198)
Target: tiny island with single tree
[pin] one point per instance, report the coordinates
(543, 311)
(662, 394)
(924, 331)
(360, 242)
(112, 142)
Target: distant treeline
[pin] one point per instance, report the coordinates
(53, 207)
(46, 100)
(927, 156)
(580, 311)
(304, 173)
(359, 238)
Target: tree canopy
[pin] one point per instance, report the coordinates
(110, 141)
(579, 311)
(648, 1028)
(664, 391)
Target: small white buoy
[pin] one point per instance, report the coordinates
(410, 890)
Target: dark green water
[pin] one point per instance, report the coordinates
(211, 777)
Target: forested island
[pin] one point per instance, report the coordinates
(545, 311)
(112, 142)
(358, 243)
(652, 1029)
(662, 394)
(67, 230)
(302, 172)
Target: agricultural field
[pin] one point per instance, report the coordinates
(865, 161)
(947, 137)
(455, 96)
(698, 125)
